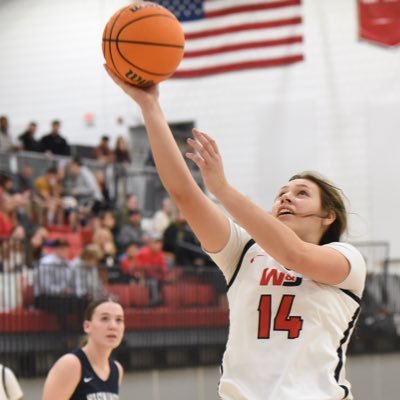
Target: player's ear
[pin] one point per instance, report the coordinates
(86, 326)
(329, 219)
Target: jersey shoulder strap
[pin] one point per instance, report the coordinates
(244, 251)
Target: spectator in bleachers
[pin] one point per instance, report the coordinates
(163, 217)
(12, 254)
(107, 202)
(7, 183)
(80, 184)
(121, 161)
(88, 286)
(127, 260)
(54, 288)
(48, 198)
(132, 231)
(28, 140)
(103, 152)
(6, 143)
(180, 243)
(7, 208)
(6, 224)
(37, 242)
(53, 142)
(105, 240)
(122, 213)
(151, 265)
(107, 220)
(121, 154)
(24, 179)
(23, 211)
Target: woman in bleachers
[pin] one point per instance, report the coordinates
(121, 153)
(36, 244)
(48, 198)
(104, 239)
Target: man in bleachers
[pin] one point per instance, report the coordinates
(54, 143)
(81, 184)
(54, 288)
(132, 231)
(28, 140)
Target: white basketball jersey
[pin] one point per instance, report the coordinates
(288, 334)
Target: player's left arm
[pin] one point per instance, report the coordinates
(319, 263)
(322, 264)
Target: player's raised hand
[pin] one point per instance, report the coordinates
(207, 157)
(139, 95)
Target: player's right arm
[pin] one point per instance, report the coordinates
(62, 379)
(209, 223)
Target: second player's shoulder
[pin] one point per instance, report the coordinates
(69, 360)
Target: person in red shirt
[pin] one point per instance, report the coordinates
(151, 264)
(6, 205)
(6, 225)
(127, 260)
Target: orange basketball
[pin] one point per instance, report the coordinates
(143, 43)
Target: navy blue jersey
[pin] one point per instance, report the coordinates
(90, 386)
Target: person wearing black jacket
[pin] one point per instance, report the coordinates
(53, 142)
(27, 138)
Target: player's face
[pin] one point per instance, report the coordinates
(298, 205)
(107, 326)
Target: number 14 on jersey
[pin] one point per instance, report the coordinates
(282, 321)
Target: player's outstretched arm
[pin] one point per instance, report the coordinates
(274, 237)
(208, 222)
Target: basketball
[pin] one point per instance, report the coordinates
(143, 43)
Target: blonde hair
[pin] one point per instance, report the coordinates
(92, 252)
(103, 235)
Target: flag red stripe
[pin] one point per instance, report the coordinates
(191, 73)
(251, 7)
(242, 46)
(243, 27)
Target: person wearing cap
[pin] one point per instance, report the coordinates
(132, 231)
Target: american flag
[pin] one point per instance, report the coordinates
(232, 35)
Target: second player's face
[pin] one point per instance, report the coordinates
(107, 326)
(298, 205)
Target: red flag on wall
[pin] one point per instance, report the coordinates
(379, 21)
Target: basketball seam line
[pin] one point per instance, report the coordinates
(144, 43)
